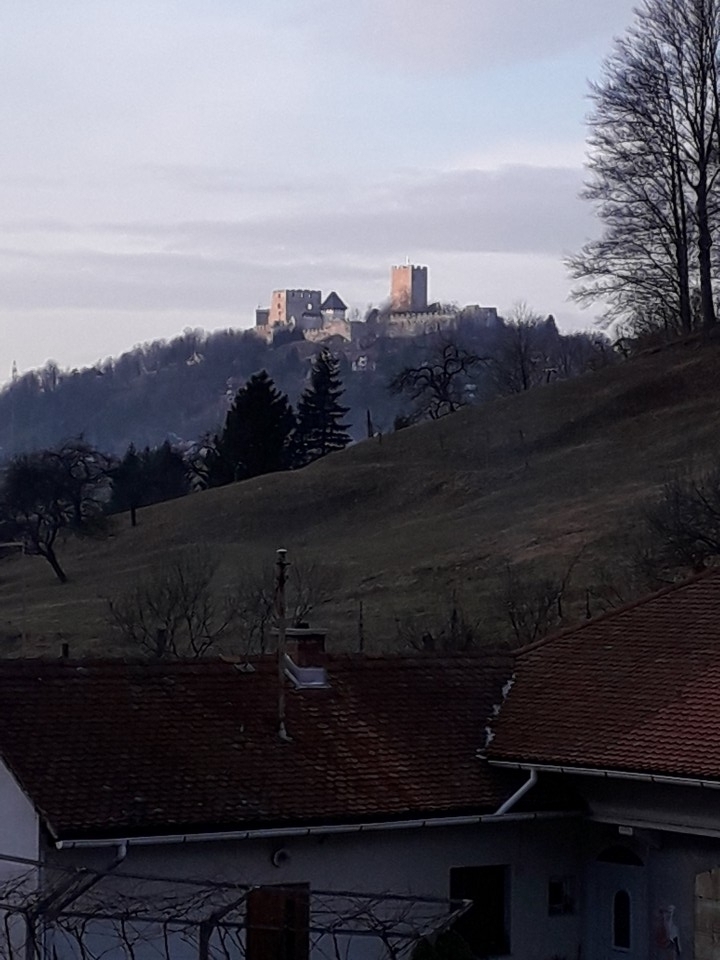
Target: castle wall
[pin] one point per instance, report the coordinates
(409, 324)
(287, 304)
(330, 328)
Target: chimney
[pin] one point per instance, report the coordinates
(305, 656)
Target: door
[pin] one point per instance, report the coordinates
(616, 917)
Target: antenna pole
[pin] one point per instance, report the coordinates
(281, 566)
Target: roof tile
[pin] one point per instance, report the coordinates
(637, 689)
(112, 748)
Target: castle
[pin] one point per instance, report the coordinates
(407, 313)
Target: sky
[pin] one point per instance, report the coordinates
(166, 164)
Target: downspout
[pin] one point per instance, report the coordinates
(51, 907)
(122, 852)
(519, 793)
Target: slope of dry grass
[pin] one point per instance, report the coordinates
(404, 521)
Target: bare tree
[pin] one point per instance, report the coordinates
(311, 583)
(685, 521)
(52, 492)
(255, 607)
(534, 605)
(522, 357)
(178, 611)
(450, 630)
(437, 385)
(637, 567)
(83, 473)
(653, 170)
(575, 353)
(175, 612)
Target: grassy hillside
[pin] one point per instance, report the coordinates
(431, 508)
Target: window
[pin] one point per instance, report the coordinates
(278, 921)
(621, 920)
(561, 896)
(621, 855)
(486, 925)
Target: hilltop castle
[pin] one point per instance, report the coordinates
(407, 313)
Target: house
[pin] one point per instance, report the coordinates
(624, 712)
(560, 803)
(183, 772)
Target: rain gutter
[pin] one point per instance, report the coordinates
(277, 832)
(610, 774)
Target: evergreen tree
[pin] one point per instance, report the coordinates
(319, 426)
(128, 485)
(167, 473)
(256, 436)
(152, 476)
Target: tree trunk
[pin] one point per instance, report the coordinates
(133, 516)
(49, 555)
(704, 261)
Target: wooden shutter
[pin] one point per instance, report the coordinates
(278, 920)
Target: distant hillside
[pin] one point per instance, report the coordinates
(429, 509)
(181, 390)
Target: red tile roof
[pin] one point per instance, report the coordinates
(109, 748)
(637, 689)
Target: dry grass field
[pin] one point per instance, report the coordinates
(407, 519)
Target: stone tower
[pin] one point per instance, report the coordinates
(408, 289)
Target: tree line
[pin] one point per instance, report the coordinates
(451, 370)
(72, 489)
(179, 390)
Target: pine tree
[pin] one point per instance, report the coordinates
(257, 432)
(167, 473)
(151, 476)
(319, 426)
(128, 484)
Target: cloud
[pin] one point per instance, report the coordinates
(426, 34)
(183, 157)
(517, 209)
(334, 238)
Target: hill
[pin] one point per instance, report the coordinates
(181, 390)
(407, 518)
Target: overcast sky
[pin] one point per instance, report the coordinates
(168, 163)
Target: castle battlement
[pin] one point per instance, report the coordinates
(409, 311)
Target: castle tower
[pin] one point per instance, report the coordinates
(408, 289)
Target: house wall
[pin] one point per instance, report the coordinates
(670, 828)
(408, 862)
(19, 826)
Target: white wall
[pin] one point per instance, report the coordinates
(19, 828)
(408, 862)
(672, 859)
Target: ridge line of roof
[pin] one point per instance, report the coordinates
(420, 657)
(617, 611)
